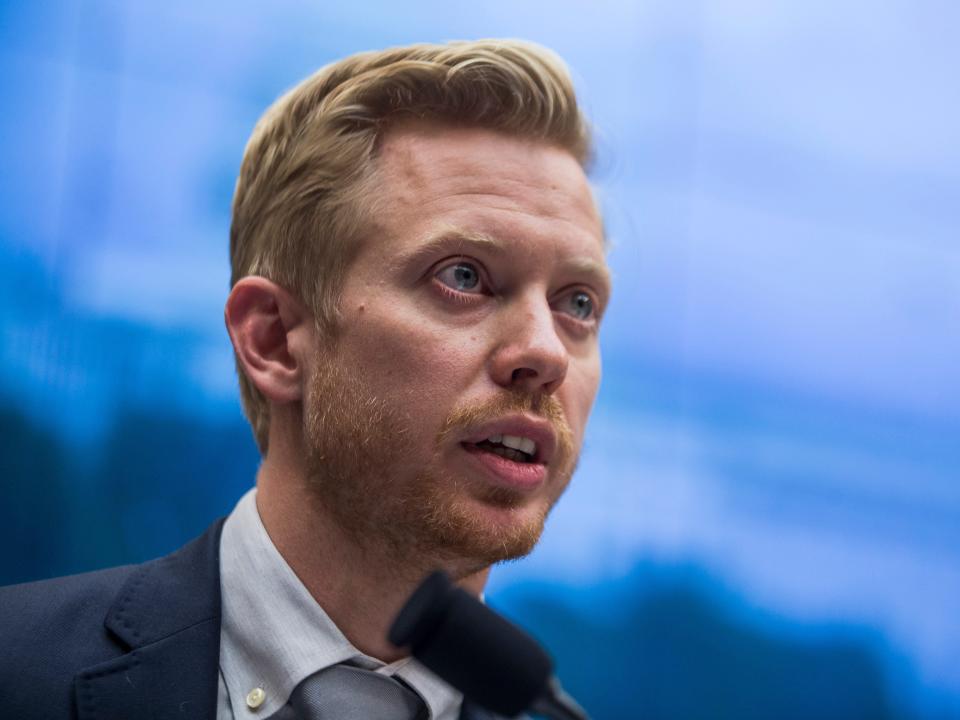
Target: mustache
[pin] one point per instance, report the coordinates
(540, 405)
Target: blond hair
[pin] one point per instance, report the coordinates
(307, 179)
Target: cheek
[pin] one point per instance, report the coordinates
(410, 358)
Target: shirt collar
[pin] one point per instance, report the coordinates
(274, 634)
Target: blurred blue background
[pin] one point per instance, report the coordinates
(766, 522)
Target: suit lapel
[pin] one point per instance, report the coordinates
(167, 616)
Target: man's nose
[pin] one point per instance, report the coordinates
(531, 356)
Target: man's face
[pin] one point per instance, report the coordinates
(468, 325)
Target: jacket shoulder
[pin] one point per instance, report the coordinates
(51, 629)
(54, 631)
(58, 613)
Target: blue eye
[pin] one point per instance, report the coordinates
(460, 276)
(580, 305)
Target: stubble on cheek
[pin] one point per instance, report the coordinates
(353, 439)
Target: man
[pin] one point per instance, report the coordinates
(418, 278)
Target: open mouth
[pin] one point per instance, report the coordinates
(512, 447)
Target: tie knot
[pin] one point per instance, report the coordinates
(346, 692)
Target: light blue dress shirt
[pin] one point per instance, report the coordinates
(273, 634)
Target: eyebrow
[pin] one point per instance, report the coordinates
(456, 240)
(452, 239)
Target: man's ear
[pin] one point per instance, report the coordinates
(272, 334)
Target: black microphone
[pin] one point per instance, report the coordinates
(487, 658)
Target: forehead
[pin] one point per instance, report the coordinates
(522, 191)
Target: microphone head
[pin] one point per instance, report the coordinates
(486, 657)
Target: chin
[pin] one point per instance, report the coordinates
(482, 533)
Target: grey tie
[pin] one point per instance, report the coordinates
(345, 692)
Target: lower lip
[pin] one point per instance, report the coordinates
(521, 476)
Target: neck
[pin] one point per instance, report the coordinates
(359, 587)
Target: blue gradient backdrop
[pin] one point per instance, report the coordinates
(766, 522)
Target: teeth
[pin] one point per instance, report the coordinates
(522, 444)
(515, 442)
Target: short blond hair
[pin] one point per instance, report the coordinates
(307, 178)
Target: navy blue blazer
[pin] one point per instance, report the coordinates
(138, 642)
